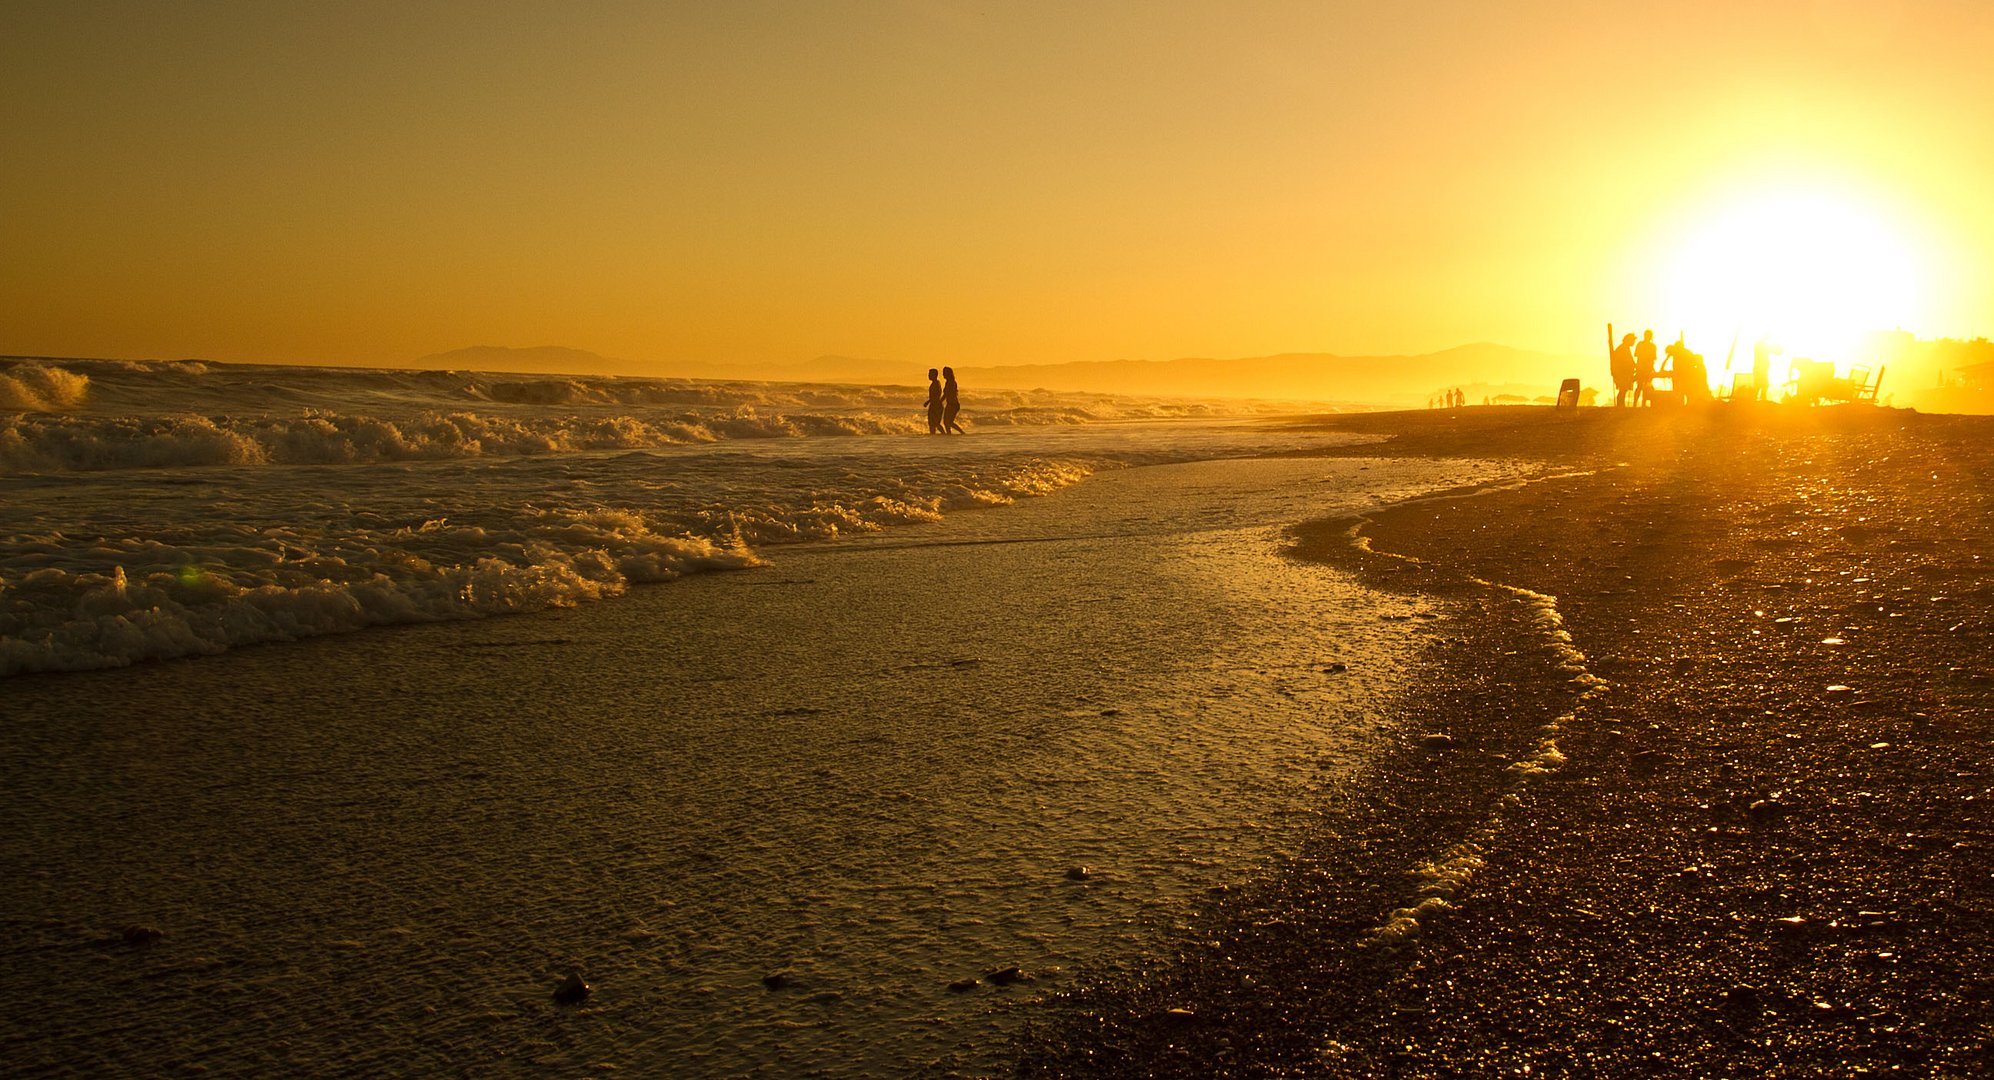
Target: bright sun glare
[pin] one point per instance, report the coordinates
(1812, 270)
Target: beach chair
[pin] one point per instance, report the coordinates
(1865, 388)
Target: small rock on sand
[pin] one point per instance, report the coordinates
(573, 990)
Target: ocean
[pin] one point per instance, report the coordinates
(798, 724)
(160, 510)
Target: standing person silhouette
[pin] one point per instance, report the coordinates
(934, 404)
(950, 406)
(1644, 369)
(1623, 370)
(1763, 350)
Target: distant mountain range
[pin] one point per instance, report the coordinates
(1481, 370)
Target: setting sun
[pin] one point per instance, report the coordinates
(1812, 268)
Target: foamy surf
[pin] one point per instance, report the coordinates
(90, 415)
(306, 554)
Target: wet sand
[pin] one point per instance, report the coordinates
(773, 817)
(1704, 791)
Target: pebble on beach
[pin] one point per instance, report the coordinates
(573, 990)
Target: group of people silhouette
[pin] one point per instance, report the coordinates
(1637, 369)
(1449, 399)
(942, 403)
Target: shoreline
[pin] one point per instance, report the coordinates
(1755, 846)
(795, 821)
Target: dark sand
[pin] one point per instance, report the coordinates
(1763, 843)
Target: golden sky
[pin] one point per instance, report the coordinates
(982, 183)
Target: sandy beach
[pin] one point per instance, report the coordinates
(1704, 790)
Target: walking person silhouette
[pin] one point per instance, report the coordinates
(950, 404)
(934, 404)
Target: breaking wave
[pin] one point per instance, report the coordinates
(38, 387)
(57, 443)
(94, 415)
(76, 599)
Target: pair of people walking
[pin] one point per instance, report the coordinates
(942, 403)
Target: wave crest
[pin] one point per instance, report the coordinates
(169, 606)
(76, 596)
(60, 443)
(33, 387)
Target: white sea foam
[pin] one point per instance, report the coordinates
(77, 595)
(1440, 882)
(57, 620)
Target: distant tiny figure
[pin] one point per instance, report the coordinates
(1763, 350)
(950, 405)
(935, 403)
(1623, 369)
(1644, 369)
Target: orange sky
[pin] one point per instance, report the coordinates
(984, 183)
